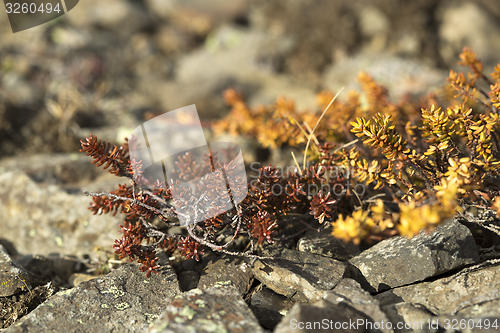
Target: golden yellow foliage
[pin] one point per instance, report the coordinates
(427, 159)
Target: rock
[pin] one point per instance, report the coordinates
(219, 308)
(399, 261)
(53, 268)
(269, 307)
(227, 268)
(120, 16)
(400, 76)
(473, 294)
(77, 278)
(12, 278)
(416, 318)
(323, 243)
(413, 315)
(324, 316)
(311, 43)
(229, 59)
(481, 31)
(61, 169)
(43, 219)
(123, 300)
(374, 24)
(218, 10)
(349, 292)
(301, 276)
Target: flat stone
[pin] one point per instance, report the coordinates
(43, 219)
(13, 279)
(124, 300)
(324, 316)
(227, 268)
(349, 292)
(473, 294)
(301, 276)
(416, 318)
(323, 243)
(219, 308)
(400, 261)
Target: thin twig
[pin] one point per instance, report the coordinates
(311, 132)
(296, 163)
(219, 248)
(316, 126)
(136, 202)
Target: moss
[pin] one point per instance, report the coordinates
(187, 312)
(114, 291)
(122, 306)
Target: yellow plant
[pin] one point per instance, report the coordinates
(427, 159)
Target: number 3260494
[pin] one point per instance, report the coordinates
(31, 8)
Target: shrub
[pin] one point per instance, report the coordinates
(416, 163)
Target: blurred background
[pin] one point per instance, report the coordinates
(106, 66)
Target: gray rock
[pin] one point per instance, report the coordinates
(323, 243)
(400, 76)
(12, 278)
(227, 268)
(176, 10)
(473, 294)
(229, 59)
(415, 316)
(349, 292)
(53, 268)
(64, 169)
(399, 261)
(123, 300)
(217, 309)
(43, 219)
(324, 316)
(302, 276)
(122, 16)
(269, 307)
(480, 32)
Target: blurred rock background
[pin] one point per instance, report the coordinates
(106, 66)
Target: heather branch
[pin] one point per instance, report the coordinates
(168, 212)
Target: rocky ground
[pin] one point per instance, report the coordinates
(107, 66)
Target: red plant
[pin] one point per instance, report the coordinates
(269, 195)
